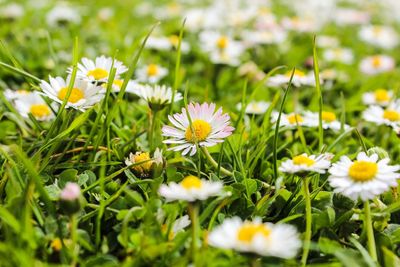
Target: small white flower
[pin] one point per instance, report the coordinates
(33, 103)
(221, 48)
(167, 43)
(381, 97)
(255, 107)
(157, 96)
(298, 24)
(304, 163)
(11, 95)
(380, 36)
(210, 128)
(365, 178)
(71, 192)
(348, 16)
(343, 55)
(191, 188)
(377, 64)
(144, 169)
(299, 79)
(384, 116)
(329, 120)
(326, 41)
(11, 11)
(275, 35)
(99, 69)
(266, 239)
(83, 94)
(151, 73)
(62, 14)
(292, 119)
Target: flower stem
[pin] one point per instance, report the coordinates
(193, 210)
(74, 237)
(152, 127)
(370, 231)
(214, 163)
(307, 235)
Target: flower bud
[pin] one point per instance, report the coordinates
(70, 198)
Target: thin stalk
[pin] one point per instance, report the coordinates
(370, 231)
(307, 235)
(152, 128)
(193, 210)
(74, 238)
(214, 163)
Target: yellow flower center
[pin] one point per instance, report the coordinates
(298, 73)
(391, 115)
(382, 95)
(145, 166)
(40, 110)
(328, 116)
(303, 160)
(222, 42)
(152, 70)
(362, 171)
(98, 73)
(56, 244)
(295, 118)
(377, 30)
(376, 61)
(76, 94)
(248, 231)
(22, 92)
(174, 40)
(190, 182)
(118, 82)
(201, 131)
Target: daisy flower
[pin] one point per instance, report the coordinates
(12, 95)
(298, 24)
(33, 103)
(384, 116)
(83, 94)
(117, 84)
(326, 41)
(329, 120)
(306, 163)
(299, 78)
(342, 55)
(209, 127)
(376, 64)
(99, 69)
(62, 14)
(11, 11)
(221, 48)
(381, 97)
(144, 169)
(274, 35)
(365, 178)
(251, 71)
(166, 43)
(156, 96)
(350, 16)
(266, 239)
(191, 188)
(380, 36)
(151, 73)
(178, 226)
(255, 107)
(292, 119)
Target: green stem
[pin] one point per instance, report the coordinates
(152, 129)
(193, 210)
(214, 163)
(370, 231)
(307, 235)
(74, 238)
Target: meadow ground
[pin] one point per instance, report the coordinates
(199, 133)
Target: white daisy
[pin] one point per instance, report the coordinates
(221, 48)
(343, 55)
(117, 84)
(380, 36)
(191, 188)
(266, 239)
(381, 97)
(365, 178)
(62, 14)
(299, 24)
(304, 163)
(33, 103)
(349, 16)
(209, 127)
(326, 41)
(299, 79)
(276, 35)
(151, 73)
(329, 120)
(11, 95)
(255, 107)
(384, 116)
(11, 11)
(83, 94)
(292, 119)
(99, 69)
(377, 64)
(144, 169)
(166, 43)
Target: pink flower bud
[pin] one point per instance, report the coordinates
(71, 192)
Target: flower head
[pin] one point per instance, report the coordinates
(299, 79)
(376, 64)
(83, 94)
(99, 69)
(207, 128)
(144, 169)
(306, 163)
(266, 239)
(157, 96)
(151, 73)
(380, 97)
(191, 188)
(329, 120)
(71, 192)
(384, 116)
(365, 178)
(255, 107)
(34, 104)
